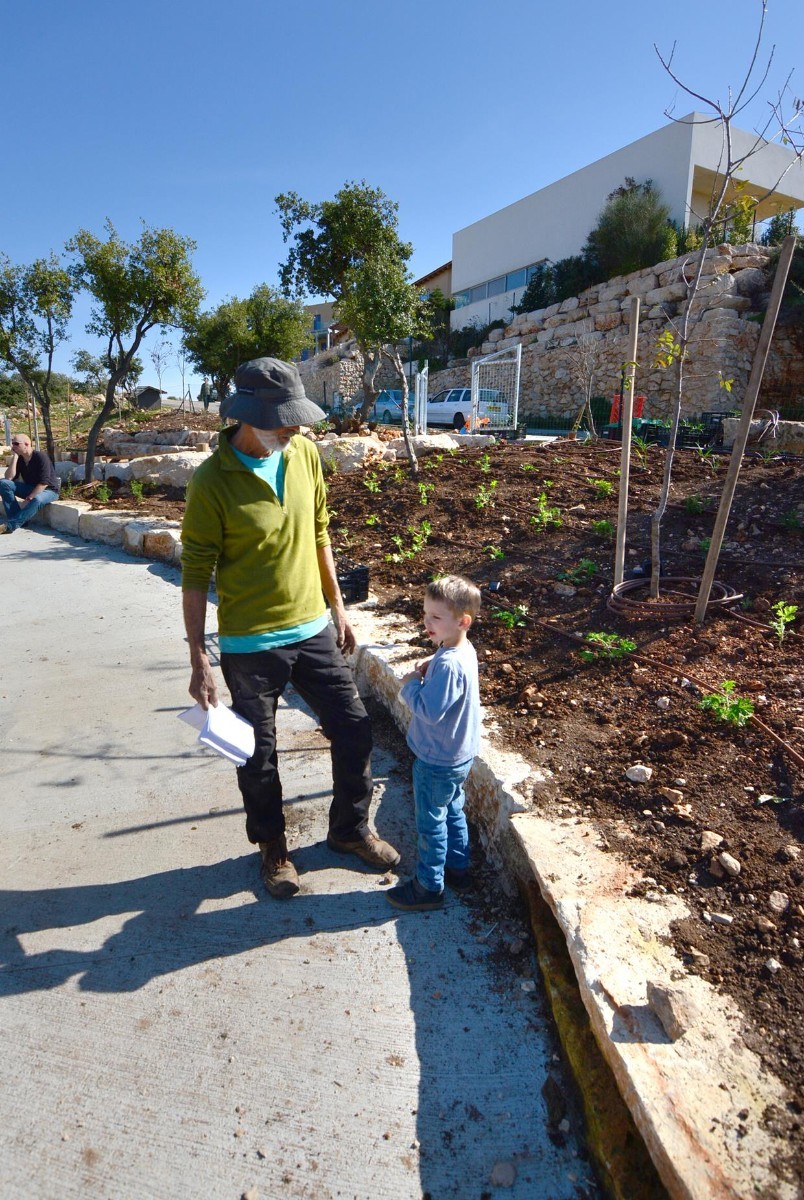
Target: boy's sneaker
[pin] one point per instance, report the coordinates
(277, 871)
(459, 881)
(373, 850)
(412, 897)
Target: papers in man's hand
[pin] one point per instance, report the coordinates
(223, 731)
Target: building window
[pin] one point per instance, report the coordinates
(496, 286)
(461, 299)
(515, 279)
(477, 293)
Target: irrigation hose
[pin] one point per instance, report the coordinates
(618, 602)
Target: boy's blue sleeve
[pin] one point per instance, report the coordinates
(430, 701)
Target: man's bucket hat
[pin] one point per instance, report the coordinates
(270, 395)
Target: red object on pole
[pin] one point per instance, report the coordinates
(614, 414)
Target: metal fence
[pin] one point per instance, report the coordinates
(495, 391)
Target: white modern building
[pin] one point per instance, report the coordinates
(493, 259)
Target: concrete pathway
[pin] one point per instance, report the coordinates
(167, 1029)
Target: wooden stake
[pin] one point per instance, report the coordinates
(744, 428)
(625, 454)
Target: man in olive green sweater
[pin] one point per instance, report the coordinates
(256, 518)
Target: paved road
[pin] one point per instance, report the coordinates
(167, 1030)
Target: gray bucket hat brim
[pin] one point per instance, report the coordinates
(270, 395)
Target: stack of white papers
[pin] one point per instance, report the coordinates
(223, 731)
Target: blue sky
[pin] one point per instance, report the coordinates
(196, 114)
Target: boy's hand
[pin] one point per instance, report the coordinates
(421, 667)
(410, 675)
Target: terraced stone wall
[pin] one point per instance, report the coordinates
(733, 294)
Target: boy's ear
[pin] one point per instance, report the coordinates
(465, 621)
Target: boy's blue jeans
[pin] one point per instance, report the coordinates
(440, 821)
(15, 515)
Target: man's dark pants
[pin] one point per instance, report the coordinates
(318, 672)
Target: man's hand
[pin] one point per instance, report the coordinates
(344, 635)
(202, 684)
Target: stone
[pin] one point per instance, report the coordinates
(674, 1009)
(709, 840)
(729, 864)
(503, 1175)
(565, 590)
(671, 794)
(99, 525)
(639, 773)
(65, 516)
(721, 919)
(778, 902)
(663, 703)
(173, 470)
(789, 853)
(773, 965)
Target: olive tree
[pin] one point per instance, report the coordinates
(267, 324)
(382, 308)
(36, 302)
(331, 243)
(134, 288)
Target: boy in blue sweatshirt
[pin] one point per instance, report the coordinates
(444, 734)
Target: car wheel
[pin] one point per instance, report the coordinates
(458, 421)
(386, 417)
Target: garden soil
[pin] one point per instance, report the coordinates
(721, 819)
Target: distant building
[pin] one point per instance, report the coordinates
(494, 259)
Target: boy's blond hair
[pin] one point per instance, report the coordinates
(460, 595)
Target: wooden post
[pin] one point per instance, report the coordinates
(744, 428)
(626, 414)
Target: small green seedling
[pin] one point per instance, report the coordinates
(494, 551)
(603, 487)
(373, 519)
(704, 545)
(725, 706)
(425, 490)
(585, 569)
(137, 489)
(511, 618)
(603, 529)
(694, 505)
(546, 516)
(485, 463)
(371, 482)
(790, 520)
(418, 540)
(606, 647)
(485, 495)
(783, 615)
(103, 493)
(527, 467)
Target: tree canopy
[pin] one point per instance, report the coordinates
(330, 239)
(349, 248)
(134, 287)
(36, 302)
(266, 324)
(633, 231)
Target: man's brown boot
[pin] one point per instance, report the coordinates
(277, 871)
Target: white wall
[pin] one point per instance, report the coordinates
(553, 222)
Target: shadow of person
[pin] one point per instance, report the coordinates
(163, 930)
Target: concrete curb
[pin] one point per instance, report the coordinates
(695, 1091)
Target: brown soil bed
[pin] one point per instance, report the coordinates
(588, 722)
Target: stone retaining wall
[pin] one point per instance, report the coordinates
(733, 293)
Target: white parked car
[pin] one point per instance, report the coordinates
(453, 407)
